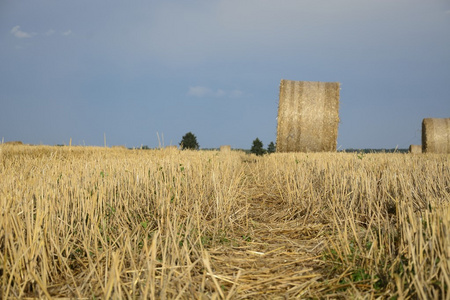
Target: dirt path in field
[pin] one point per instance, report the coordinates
(277, 255)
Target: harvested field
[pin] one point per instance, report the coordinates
(93, 222)
(308, 116)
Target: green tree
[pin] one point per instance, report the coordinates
(271, 148)
(257, 147)
(189, 141)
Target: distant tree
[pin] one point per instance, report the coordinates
(189, 141)
(257, 147)
(271, 148)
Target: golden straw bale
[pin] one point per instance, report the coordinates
(415, 149)
(119, 147)
(308, 116)
(225, 148)
(436, 135)
(172, 147)
(13, 143)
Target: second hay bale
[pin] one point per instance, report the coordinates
(415, 149)
(308, 116)
(13, 143)
(436, 135)
(225, 148)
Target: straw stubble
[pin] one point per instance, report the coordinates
(108, 223)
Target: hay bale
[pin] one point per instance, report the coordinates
(415, 149)
(14, 143)
(308, 116)
(436, 135)
(225, 148)
(172, 147)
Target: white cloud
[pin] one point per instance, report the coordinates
(22, 34)
(236, 94)
(220, 93)
(50, 32)
(19, 33)
(201, 91)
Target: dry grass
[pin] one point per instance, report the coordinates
(436, 135)
(308, 116)
(125, 224)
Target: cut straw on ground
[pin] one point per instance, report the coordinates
(84, 222)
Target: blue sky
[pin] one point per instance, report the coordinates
(133, 70)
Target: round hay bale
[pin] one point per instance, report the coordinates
(436, 135)
(14, 143)
(172, 147)
(415, 149)
(308, 116)
(225, 148)
(119, 147)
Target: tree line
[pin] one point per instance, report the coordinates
(189, 141)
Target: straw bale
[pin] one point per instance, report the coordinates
(436, 135)
(13, 143)
(308, 116)
(225, 148)
(415, 149)
(172, 147)
(119, 147)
